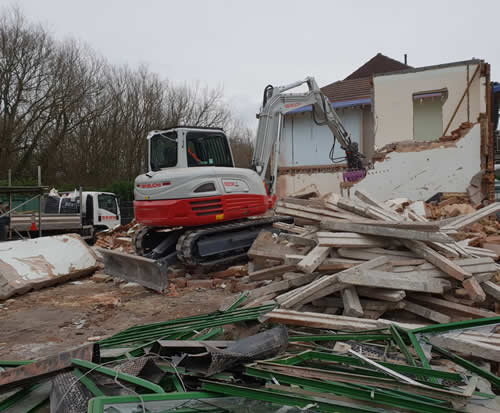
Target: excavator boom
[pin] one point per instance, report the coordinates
(277, 102)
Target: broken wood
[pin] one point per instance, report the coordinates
(349, 240)
(271, 272)
(383, 279)
(312, 260)
(426, 312)
(382, 231)
(456, 307)
(352, 305)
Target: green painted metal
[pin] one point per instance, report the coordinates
(352, 361)
(147, 334)
(402, 346)
(459, 325)
(341, 337)
(467, 365)
(242, 297)
(364, 393)
(210, 334)
(119, 375)
(283, 399)
(420, 353)
(16, 397)
(97, 404)
(88, 383)
(15, 363)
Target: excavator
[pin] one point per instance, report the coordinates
(197, 207)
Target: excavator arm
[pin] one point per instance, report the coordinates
(277, 103)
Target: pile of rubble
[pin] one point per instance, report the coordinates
(238, 359)
(361, 258)
(118, 238)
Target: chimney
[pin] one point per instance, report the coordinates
(406, 59)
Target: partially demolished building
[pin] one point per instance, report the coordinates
(426, 130)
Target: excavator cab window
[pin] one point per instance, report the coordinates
(163, 151)
(208, 149)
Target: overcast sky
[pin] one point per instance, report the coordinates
(243, 45)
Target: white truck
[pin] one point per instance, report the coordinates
(62, 214)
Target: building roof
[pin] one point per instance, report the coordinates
(351, 89)
(377, 64)
(358, 85)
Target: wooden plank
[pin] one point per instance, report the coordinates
(464, 309)
(299, 240)
(443, 263)
(492, 289)
(289, 227)
(410, 262)
(374, 305)
(383, 294)
(312, 260)
(466, 346)
(372, 253)
(474, 290)
(330, 321)
(381, 279)
(309, 209)
(349, 240)
(426, 312)
(299, 214)
(468, 219)
(326, 285)
(265, 247)
(270, 273)
(337, 264)
(380, 231)
(350, 299)
(280, 286)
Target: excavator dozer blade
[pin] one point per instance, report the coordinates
(147, 272)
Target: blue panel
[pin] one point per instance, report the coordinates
(495, 88)
(335, 105)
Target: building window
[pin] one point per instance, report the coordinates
(428, 115)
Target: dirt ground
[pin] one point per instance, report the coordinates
(44, 322)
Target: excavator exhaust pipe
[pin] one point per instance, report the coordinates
(144, 271)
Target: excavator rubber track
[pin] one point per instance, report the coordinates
(227, 237)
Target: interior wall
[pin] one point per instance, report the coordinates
(303, 142)
(393, 100)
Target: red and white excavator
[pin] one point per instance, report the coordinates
(197, 206)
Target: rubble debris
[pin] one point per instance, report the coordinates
(119, 238)
(360, 248)
(308, 362)
(36, 263)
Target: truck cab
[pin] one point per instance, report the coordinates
(101, 209)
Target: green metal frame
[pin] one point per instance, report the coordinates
(467, 365)
(97, 404)
(386, 397)
(88, 383)
(459, 325)
(340, 337)
(283, 399)
(119, 375)
(352, 361)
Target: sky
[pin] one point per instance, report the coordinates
(244, 45)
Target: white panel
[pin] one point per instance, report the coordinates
(420, 175)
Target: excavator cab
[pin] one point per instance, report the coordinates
(189, 147)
